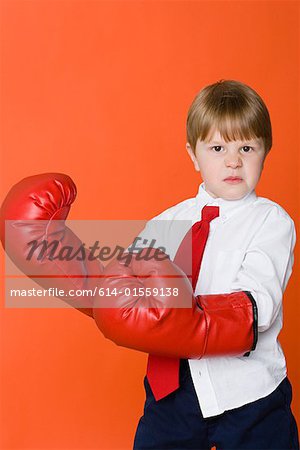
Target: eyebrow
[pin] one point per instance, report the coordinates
(252, 142)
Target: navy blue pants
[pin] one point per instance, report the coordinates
(176, 421)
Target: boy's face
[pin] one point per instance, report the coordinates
(217, 160)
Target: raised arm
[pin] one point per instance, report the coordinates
(178, 324)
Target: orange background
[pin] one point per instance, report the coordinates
(100, 90)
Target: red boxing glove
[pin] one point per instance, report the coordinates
(144, 318)
(36, 209)
(224, 324)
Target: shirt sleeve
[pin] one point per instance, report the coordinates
(163, 232)
(154, 234)
(267, 266)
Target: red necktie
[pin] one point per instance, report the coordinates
(162, 372)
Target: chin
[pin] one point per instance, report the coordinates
(234, 195)
(237, 197)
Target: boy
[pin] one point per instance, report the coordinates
(231, 402)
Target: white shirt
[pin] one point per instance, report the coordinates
(250, 247)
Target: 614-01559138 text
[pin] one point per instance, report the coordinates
(127, 291)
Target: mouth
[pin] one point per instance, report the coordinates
(233, 180)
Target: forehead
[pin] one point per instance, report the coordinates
(216, 138)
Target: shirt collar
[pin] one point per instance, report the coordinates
(227, 207)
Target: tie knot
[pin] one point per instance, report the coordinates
(209, 213)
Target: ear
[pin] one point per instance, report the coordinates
(192, 156)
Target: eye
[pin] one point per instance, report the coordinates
(217, 147)
(247, 148)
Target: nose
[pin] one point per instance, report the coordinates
(233, 161)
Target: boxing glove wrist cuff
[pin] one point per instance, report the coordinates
(255, 321)
(232, 323)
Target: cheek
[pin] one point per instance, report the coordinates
(255, 168)
(207, 166)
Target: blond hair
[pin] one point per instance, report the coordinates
(232, 108)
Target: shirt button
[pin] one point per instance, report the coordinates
(200, 374)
